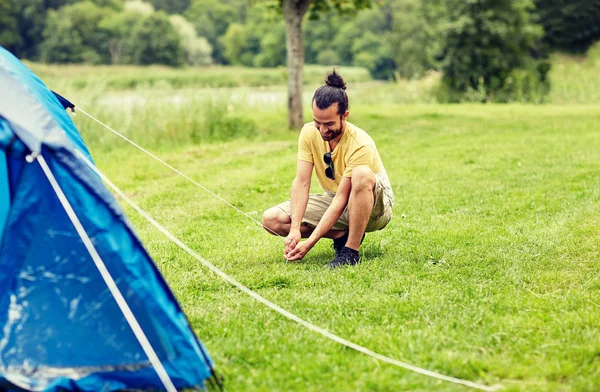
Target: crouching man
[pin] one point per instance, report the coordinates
(358, 197)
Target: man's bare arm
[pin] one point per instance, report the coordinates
(334, 211)
(331, 216)
(299, 201)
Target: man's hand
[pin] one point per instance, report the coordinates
(291, 241)
(299, 251)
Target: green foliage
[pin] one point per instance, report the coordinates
(212, 19)
(155, 41)
(328, 57)
(117, 28)
(530, 84)
(343, 7)
(31, 16)
(342, 41)
(234, 43)
(486, 50)
(139, 7)
(78, 25)
(416, 37)
(171, 6)
(62, 42)
(197, 50)
(221, 123)
(32, 20)
(484, 42)
(272, 50)
(375, 53)
(9, 34)
(570, 25)
(576, 79)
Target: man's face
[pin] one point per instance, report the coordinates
(329, 123)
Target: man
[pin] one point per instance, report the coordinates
(358, 197)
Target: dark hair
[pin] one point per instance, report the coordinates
(334, 91)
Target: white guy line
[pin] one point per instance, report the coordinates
(277, 308)
(174, 169)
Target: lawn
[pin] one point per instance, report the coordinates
(488, 272)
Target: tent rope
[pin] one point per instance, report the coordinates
(275, 307)
(108, 279)
(177, 171)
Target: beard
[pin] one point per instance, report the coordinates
(332, 133)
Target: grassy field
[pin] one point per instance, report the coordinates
(574, 80)
(125, 77)
(489, 270)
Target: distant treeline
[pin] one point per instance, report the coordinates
(477, 44)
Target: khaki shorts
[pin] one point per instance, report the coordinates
(318, 204)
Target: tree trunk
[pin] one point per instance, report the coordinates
(293, 12)
(114, 47)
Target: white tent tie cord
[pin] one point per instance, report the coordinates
(108, 279)
(277, 308)
(175, 170)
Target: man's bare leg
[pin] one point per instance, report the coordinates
(275, 220)
(360, 204)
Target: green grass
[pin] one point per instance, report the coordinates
(78, 77)
(576, 79)
(489, 270)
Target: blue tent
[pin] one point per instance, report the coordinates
(60, 327)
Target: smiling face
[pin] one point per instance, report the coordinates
(330, 124)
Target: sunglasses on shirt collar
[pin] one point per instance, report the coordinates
(329, 170)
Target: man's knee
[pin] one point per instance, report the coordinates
(362, 178)
(274, 218)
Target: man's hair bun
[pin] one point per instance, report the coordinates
(335, 80)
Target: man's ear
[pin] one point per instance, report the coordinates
(346, 115)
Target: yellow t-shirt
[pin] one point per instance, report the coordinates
(355, 148)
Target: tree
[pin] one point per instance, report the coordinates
(9, 34)
(374, 53)
(416, 36)
(271, 52)
(32, 20)
(155, 41)
(293, 13)
(62, 42)
(171, 6)
(212, 19)
(77, 23)
(32, 17)
(485, 40)
(570, 25)
(117, 30)
(318, 37)
(234, 43)
(139, 7)
(342, 42)
(197, 50)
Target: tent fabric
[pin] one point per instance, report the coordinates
(21, 88)
(4, 194)
(60, 327)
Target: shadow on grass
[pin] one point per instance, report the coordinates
(322, 256)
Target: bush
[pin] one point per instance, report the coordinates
(485, 43)
(220, 124)
(526, 84)
(155, 41)
(328, 57)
